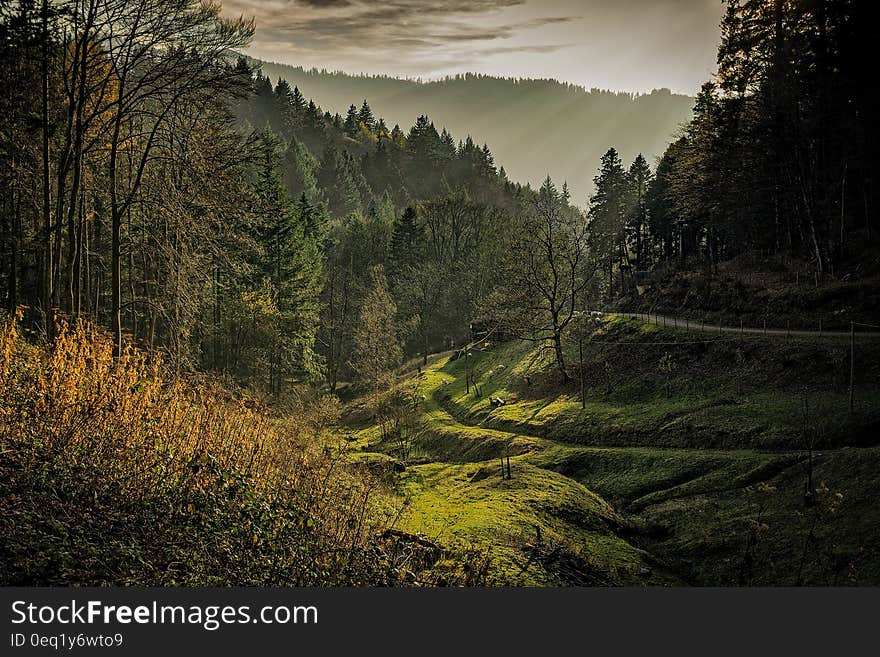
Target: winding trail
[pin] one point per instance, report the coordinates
(689, 325)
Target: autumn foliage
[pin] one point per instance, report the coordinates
(113, 471)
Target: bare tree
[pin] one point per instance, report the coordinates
(162, 54)
(551, 269)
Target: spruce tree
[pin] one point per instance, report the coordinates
(637, 180)
(292, 266)
(351, 122)
(298, 101)
(365, 116)
(607, 214)
(406, 243)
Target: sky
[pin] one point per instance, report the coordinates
(627, 45)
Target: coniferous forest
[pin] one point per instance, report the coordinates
(252, 340)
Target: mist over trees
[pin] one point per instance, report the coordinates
(567, 126)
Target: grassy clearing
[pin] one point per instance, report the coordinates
(764, 534)
(752, 396)
(634, 478)
(639, 485)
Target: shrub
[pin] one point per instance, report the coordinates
(113, 471)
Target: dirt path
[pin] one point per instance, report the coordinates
(691, 325)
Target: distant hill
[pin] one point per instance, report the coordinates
(534, 127)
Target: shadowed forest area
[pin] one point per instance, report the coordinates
(250, 339)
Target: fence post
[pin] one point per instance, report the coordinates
(852, 365)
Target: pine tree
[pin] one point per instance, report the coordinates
(292, 266)
(283, 92)
(298, 101)
(423, 140)
(365, 116)
(638, 179)
(406, 243)
(607, 213)
(487, 163)
(299, 170)
(447, 146)
(397, 136)
(351, 122)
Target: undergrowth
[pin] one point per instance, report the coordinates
(114, 471)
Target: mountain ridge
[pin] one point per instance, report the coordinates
(576, 125)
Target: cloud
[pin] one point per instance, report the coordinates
(326, 3)
(373, 33)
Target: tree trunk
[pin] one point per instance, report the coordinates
(116, 282)
(581, 372)
(46, 269)
(560, 356)
(425, 347)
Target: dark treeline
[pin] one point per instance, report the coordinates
(779, 159)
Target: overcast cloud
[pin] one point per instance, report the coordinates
(633, 45)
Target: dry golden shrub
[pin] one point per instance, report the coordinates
(124, 420)
(193, 472)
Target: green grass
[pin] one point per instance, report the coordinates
(834, 543)
(723, 394)
(703, 487)
(471, 503)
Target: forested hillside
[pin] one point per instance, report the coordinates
(238, 315)
(536, 128)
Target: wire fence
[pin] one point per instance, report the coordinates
(743, 334)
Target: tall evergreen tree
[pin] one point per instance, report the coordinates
(292, 266)
(351, 122)
(407, 242)
(638, 178)
(607, 214)
(365, 116)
